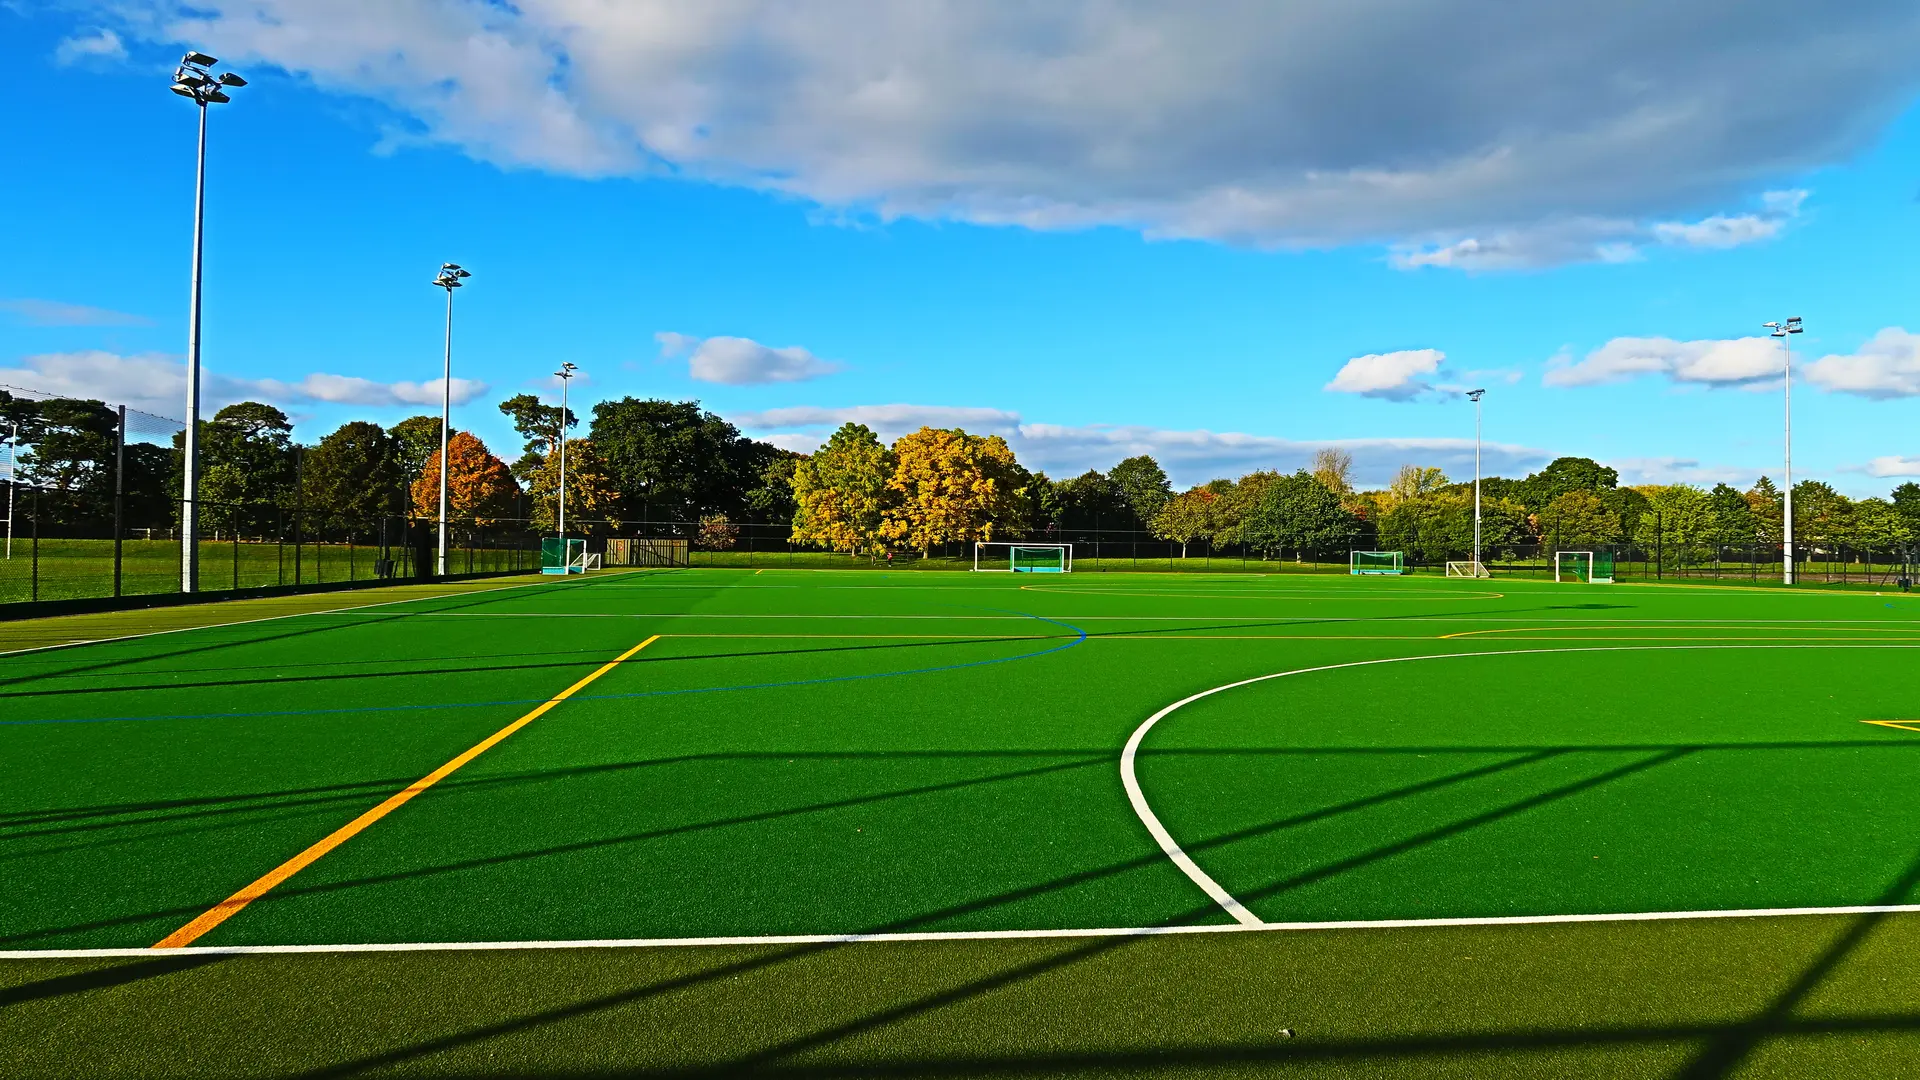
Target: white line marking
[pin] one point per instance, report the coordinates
(1288, 620)
(1213, 888)
(971, 935)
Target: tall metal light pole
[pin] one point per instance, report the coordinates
(1475, 396)
(193, 79)
(448, 279)
(565, 374)
(1783, 330)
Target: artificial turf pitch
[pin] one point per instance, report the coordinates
(812, 754)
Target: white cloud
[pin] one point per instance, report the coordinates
(100, 45)
(738, 361)
(1395, 376)
(1676, 470)
(1190, 457)
(1894, 466)
(1318, 122)
(1735, 362)
(1724, 231)
(56, 313)
(158, 384)
(1887, 366)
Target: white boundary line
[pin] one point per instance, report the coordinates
(1225, 899)
(962, 935)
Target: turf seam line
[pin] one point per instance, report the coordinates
(984, 935)
(232, 905)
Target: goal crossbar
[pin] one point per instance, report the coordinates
(1023, 558)
(1592, 568)
(1376, 562)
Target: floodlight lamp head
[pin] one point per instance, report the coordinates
(198, 59)
(228, 78)
(1474, 395)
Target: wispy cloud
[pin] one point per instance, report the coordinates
(1190, 457)
(158, 384)
(738, 361)
(56, 313)
(1893, 465)
(1886, 366)
(1731, 362)
(99, 45)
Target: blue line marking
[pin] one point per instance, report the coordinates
(1081, 636)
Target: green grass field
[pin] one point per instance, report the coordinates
(1389, 839)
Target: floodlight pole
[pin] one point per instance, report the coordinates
(448, 279)
(193, 79)
(1475, 396)
(13, 477)
(565, 375)
(1783, 331)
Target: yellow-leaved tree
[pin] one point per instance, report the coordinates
(840, 492)
(593, 503)
(953, 486)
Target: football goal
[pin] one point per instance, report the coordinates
(1593, 568)
(564, 556)
(1377, 562)
(1023, 558)
(1471, 568)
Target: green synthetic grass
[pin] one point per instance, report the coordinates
(808, 753)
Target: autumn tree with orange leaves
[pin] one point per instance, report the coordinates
(480, 487)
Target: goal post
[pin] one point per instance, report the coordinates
(1008, 557)
(1470, 568)
(1376, 562)
(1589, 567)
(563, 556)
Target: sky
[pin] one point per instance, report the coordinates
(1223, 233)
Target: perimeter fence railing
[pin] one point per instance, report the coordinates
(1115, 550)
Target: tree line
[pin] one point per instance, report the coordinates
(644, 460)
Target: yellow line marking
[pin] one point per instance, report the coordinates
(1903, 725)
(231, 906)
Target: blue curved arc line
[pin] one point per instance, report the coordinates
(1081, 636)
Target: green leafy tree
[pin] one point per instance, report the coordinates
(352, 476)
(1880, 527)
(539, 425)
(1906, 502)
(1767, 505)
(772, 500)
(593, 502)
(673, 461)
(1297, 512)
(1142, 485)
(1822, 517)
(1733, 523)
(249, 467)
(415, 440)
(1563, 475)
(1678, 521)
(1088, 501)
(1579, 519)
(840, 493)
(1192, 515)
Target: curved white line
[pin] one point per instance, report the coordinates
(1212, 888)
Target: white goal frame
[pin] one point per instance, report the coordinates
(1468, 568)
(1591, 562)
(1066, 557)
(1399, 563)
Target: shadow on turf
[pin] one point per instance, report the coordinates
(103, 977)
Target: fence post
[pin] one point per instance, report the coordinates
(119, 493)
(236, 551)
(34, 594)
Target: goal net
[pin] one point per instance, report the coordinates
(563, 556)
(1377, 562)
(1591, 567)
(1470, 568)
(1023, 558)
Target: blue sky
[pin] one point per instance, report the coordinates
(879, 212)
